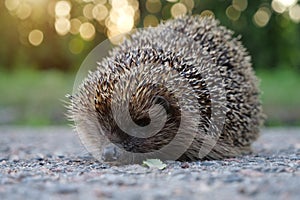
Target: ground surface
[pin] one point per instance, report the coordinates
(50, 163)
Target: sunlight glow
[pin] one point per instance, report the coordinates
(125, 23)
(118, 3)
(121, 19)
(116, 18)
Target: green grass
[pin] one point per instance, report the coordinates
(281, 96)
(281, 87)
(36, 98)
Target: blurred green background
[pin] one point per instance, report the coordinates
(43, 43)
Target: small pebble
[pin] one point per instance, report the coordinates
(185, 165)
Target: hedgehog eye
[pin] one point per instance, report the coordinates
(162, 101)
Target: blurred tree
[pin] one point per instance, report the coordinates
(58, 34)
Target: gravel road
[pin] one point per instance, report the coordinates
(50, 163)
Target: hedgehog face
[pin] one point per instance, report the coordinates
(154, 117)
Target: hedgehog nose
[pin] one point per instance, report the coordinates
(110, 153)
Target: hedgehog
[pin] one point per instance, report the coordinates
(184, 90)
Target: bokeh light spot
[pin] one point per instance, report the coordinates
(240, 5)
(114, 15)
(287, 3)
(62, 8)
(150, 20)
(282, 5)
(153, 6)
(262, 16)
(125, 23)
(12, 4)
(100, 1)
(277, 6)
(122, 18)
(100, 12)
(24, 11)
(294, 13)
(75, 25)
(115, 37)
(76, 46)
(207, 13)
(134, 4)
(127, 10)
(232, 13)
(36, 37)
(88, 11)
(87, 31)
(178, 9)
(188, 3)
(62, 26)
(118, 3)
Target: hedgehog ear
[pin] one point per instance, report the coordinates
(162, 101)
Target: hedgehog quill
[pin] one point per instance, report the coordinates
(184, 90)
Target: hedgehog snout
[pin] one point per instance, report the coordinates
(110, 153)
